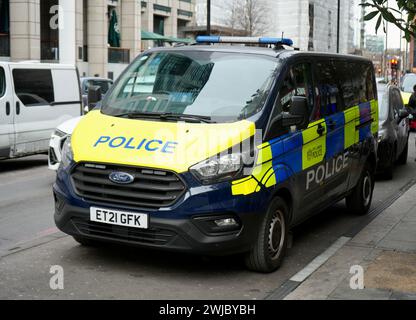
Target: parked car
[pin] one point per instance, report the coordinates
(394, 131)
(58, 138)
(34, 99)
(86, 82)
(406, 87)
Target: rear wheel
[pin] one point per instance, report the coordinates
(269, 249)
(404, 155)
(359, 201)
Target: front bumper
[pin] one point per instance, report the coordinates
(183, 227)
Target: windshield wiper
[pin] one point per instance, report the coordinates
(166, 116)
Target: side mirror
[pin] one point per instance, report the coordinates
(297, 116)
(94, 96)
(403, 113)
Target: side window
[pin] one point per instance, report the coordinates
(343, 77)
(34, 87)
(298, 82)
(303, 83)
(2, 82)
(330, 93)
(371, 91)
(359, 78)
(287, 91)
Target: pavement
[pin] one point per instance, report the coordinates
(385, 251)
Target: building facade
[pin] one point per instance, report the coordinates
(77, 31)
(312, 24)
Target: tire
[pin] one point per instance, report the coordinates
(388, 172)
(269, 250)
(87, 242)
(359, 201)
(404, 155)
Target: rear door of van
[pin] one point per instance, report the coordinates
(45, 97)
(6, 113)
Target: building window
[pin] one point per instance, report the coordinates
(49, 36)
(311, 25)
(4, 28)
(85, 31)
(34, 93)
(329, 30)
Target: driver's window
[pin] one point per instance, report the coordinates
(298, 82)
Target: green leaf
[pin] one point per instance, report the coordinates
(371, 15)
(378, 23)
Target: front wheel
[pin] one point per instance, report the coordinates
(359, 201)
(269, 249)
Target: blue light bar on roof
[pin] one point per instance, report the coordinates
(242, 40)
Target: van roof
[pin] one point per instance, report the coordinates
(39, 64)
(281, 54)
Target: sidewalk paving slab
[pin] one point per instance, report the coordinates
(386, 249)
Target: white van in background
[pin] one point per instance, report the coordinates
(34, 99)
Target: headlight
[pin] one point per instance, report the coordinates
(219, 168)
(59, 133)
(67, 154)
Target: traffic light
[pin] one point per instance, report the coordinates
(394, 64)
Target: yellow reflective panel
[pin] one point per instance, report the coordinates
(352, 136)
(154, 144)
(375, 115)
(314, 145)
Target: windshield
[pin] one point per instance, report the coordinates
(383, 105)
(408, 83)
(226, 87)
(103, 84)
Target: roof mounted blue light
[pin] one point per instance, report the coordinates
(244, 40)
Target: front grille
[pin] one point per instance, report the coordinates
(154, 236)
(151, 188)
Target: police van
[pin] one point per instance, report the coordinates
(219, 148)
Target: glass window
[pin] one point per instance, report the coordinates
(330, 93)
(383, 104)
(343, 77)
(409, 82)
(226, 87)
(2, 82)
(303, 82)
(359, 78)
(34, 87)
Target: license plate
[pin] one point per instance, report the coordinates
(119, 218)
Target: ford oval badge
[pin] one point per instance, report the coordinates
(121, 178)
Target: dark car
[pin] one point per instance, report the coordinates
(394, 130)
(87, 82)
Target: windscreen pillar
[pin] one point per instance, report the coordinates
(97, 38)
(67, 34)
(131, 26)
(24, 30)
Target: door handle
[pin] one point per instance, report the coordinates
(17, 107)
(320, 130)
(7, 108)
(332, 125)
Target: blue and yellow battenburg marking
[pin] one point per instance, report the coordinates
(281, 158)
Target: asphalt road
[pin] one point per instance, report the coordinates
(26, 214)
